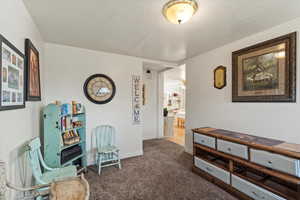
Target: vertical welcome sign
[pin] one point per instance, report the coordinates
(136, 99)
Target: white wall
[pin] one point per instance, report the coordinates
(18, 126)
(69, 67)
(151, 107)
(207, 106)
(160, 104)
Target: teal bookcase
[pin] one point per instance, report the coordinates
(54, 129)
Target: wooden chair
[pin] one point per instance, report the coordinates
(37, 163)
(32, 192)
(107, 152)
(180, 122)
(67, 189)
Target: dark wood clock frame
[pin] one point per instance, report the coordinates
(102, 76)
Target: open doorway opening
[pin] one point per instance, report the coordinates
(152, 99)
(174, 104)
(163, 96)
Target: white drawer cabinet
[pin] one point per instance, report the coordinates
(252, 190)
(205, 140)
(235, 149)
(276, 161)
(213, 170)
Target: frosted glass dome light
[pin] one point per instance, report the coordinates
(180, 11)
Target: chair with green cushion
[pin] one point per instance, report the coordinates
(108, 153)
(48, 175)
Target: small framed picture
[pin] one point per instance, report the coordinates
(33, 83)
(220, 77)
(12, 85)
(265, 72)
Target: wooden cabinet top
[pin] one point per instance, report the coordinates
(275, 146)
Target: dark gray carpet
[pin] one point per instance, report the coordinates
(162, 173)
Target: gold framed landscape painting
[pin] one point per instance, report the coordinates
(265, 72)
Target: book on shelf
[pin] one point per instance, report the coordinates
(77, 124)
(66, 109)
(66, 123)
(70, 109)
(71, 137)
(77, 108)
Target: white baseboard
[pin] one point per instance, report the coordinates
(91, 161)
(133, 154)
(189, 151)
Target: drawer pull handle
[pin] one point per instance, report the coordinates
(270, 162)
(208, 169)
(260, 197)
(202, 141)
(229, 149)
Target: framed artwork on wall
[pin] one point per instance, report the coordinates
(12, 77)
(220, 77)
(33, 82)
(265, 72)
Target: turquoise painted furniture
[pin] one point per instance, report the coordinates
(107, 152)
(52, 136)
(37, 191)
(48, 175)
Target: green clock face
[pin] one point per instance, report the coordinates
(99, 89)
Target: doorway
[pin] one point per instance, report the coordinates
(163, 97)
(174, 105)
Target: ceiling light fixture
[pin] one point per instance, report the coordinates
(179, 11)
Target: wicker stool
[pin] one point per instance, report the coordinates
(70, 189)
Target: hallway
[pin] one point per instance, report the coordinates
(179, 136)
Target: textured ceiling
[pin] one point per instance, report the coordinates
(137, 27)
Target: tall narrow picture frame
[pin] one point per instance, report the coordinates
(220, 77)
(266, 72)
(12, 85)
(33, 83)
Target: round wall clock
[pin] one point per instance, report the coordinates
(99, 89)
